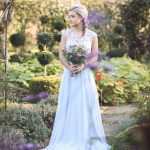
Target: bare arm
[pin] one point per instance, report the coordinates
(93, 59)
(94, 50)
(62, 46)
(61, 54)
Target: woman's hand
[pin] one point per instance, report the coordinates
(73, 68)
(78, 68)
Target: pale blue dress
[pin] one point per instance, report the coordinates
(78, 123)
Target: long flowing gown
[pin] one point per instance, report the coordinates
(78, 123)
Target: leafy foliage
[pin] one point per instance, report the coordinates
(134, 16)
(119, 52)
(27, 120)
(11, 138)
(132, 138)
(45, 57)
(119, 29)
(21, 74)
(43, 38)
(138, 135)
(47, 110)
(57, 36)
(124, 83)
(18, 39)
(15, 58)
(142, 115)
(49, 83)
(59, 24)
(44, 19)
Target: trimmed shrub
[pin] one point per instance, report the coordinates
(43, 38)
(119, 29)
(119, 52)
(17, 39)
(58, 24)
(57, 36)
(44, 19)
(117, 41)
(15, 58)
(45, 57)
(49, 83)
(21, 58)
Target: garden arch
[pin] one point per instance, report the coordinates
(5, 9)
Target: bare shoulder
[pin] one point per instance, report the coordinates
(66, 32)
(92, 33)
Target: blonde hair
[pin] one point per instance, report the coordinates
(83, 12)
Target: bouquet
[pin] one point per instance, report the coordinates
(75, 55)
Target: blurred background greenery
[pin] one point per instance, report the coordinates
(34, 32)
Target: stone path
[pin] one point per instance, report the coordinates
(113, 117)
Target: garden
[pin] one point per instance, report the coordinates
(31, 72)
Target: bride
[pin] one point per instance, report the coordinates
(78, 124)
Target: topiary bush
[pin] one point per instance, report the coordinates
(17, 39)
(27, 120)
(119, 52)
(44, 19)
(117, 41)
(119, 29)
(57, 36)
(15, 58)
(22, 57)
(43, 38)
(45, 57)
(58, 24)
(49, 83)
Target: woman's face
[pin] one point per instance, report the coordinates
(74, 18)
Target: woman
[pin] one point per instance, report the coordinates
(78, 124)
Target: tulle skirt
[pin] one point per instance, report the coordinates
(78, 123)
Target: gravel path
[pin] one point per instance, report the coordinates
(115, 116)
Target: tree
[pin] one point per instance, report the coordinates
(135, 16)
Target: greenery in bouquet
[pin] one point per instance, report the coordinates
(75, 55)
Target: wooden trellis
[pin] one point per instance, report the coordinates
(5, 7)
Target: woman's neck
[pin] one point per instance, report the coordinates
(77, 28)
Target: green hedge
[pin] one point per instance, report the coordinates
(49, 83)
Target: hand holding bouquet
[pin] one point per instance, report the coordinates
(75, 55)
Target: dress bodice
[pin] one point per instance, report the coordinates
(81, 41)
